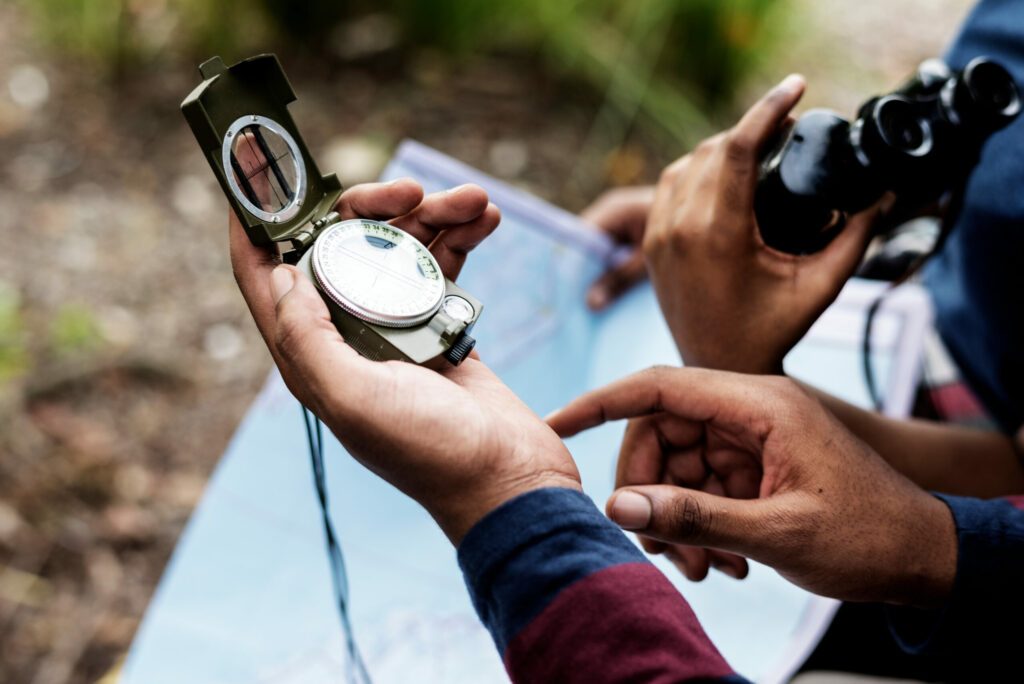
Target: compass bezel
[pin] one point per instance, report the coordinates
(348, 303)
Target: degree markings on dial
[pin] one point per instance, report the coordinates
(380, 268)
(348, 266)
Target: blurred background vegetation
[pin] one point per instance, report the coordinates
(675, 63)
(127, 357)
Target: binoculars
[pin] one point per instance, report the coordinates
(919, 142)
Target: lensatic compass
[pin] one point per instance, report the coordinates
(385, 290)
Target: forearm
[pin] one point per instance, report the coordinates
(567, 597)
(945, 458)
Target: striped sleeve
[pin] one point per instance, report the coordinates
(568, 598)
(975, 635)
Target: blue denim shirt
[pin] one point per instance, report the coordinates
(977, 281)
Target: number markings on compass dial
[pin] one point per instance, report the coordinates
(378, 272)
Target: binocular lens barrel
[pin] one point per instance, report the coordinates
(901, 127)
(987, 94)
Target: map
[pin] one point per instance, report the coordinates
(247, 595)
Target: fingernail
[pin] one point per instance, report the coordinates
(396, 181)
(282, 280)
(456, 189)
(597, 298)
(631, 511)
(793, 83)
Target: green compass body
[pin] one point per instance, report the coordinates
(385, 291)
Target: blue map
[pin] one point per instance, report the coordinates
(247, 595)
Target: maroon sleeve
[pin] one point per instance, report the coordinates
(568, 598)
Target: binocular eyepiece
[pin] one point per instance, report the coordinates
(919, 142)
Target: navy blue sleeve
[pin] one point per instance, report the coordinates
(568, 598)
(973, 636)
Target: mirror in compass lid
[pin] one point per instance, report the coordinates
(264, 168)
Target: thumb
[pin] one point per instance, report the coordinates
(686, 516)
(306, 344)
(841, 257)
(299, 310)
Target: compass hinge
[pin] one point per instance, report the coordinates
(307, 236)
(328, 219)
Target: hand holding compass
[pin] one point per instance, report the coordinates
(385, 287)
(373, 279)
(457, 441)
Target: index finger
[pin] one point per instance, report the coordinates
(696, 394)
(380, 201)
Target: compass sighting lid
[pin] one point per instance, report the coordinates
(239, 115)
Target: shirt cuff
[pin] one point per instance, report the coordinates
(522, 554)
(980, 535)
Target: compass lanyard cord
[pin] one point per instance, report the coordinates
(339, 578)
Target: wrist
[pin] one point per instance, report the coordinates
(930, 552)
(456, 515)
(720, 359)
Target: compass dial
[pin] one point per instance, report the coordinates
(378, 272)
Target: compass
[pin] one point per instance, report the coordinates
(385, 290)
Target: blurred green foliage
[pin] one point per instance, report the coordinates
(672, 61)
(117, 35)
(708, 44)
(74, 329)
(13, 341)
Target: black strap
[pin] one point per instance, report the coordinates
(315, 435)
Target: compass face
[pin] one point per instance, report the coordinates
(377, 272)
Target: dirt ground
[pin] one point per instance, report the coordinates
(127, 357)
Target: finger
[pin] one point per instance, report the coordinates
(743, 145)
(729, 563)
(692, 562)
(740, 473)
(685, 468)
(735, 401)
(640, 457)
(314, 359)
(380, 201)
(658, 446)
(686, 516)
(746, 141)
(621, 213)
(652, 546)
(617, 281)
(453, 244)
(713, 485)
(837, 262)
(252, 266)
(440, 210)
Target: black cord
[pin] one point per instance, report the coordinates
(315, 436)
(953, 203)
(867, 364)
